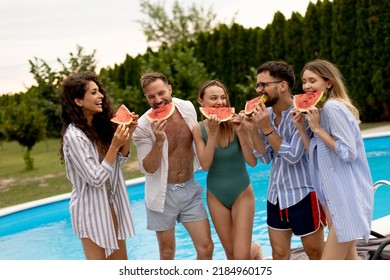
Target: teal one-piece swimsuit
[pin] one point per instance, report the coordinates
(228, 176)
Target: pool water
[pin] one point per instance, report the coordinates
(45, 232)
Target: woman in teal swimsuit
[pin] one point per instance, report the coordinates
(223, 150)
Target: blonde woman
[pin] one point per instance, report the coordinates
(338, 162)
(223, 151)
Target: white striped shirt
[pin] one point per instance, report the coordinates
(290, 178)
(342, 179)
(89, 203)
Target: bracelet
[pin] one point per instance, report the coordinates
(269, 133)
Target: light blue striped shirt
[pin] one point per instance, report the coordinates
(290, 178)
(89, 206)
(342, 179)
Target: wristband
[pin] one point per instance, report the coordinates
(269, 133)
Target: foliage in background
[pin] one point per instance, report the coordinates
(353, 34)
(23, 121)
(48, 83)
(180, 27)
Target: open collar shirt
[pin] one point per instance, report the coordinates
(89, 202)
(144, 139)
(290, 178)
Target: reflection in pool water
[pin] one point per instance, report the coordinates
(45, 232)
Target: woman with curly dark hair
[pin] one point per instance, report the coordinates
(92, 150)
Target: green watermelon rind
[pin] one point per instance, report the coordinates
(163, 112)
(317, 103)
(120, 114)
(251, 104)
(229, 112)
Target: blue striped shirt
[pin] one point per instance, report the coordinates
(290, 178)
(342, 179)
(89, 206)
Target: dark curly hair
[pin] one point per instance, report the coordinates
(102, 129)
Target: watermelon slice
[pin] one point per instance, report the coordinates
(223, 113)
(305, 100)
(251, 104)
(162, 113)
(123, 115)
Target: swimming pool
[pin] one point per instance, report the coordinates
(44, 232)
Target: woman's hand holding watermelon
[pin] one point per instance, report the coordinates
(213, 125)
(247, 121)
(313, 117)
(238, 122)
(121, 136)
(298, 119)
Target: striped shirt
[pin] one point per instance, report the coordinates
(290, 178)
(89, 202)
(342, 179)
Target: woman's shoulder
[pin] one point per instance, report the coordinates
(334, 104)
(73, 132)
(335, 109)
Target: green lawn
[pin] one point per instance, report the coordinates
(48, 177)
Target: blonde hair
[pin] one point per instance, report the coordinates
(226, 130)
(329, 72)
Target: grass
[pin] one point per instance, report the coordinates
(364, 126)
(48, 177)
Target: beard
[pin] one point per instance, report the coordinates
(271, 101)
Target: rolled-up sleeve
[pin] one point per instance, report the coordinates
(341, 124)
(79, 149)
(143, 141)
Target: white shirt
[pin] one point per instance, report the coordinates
(342, 178)
(143, 137)
(89, 206)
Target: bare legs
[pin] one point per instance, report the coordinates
(335, 250)
(92, 251)
(234, 226)
(200, 235)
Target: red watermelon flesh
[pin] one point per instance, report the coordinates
(123, 115)
(251, 104)
(161, 113)
(305, 100)
(223, 113)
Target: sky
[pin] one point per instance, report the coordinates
(51, 29)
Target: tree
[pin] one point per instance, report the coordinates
(344, 35)
(361, 58)
(49, 82)
(310, 36)
(293, 46)
(379, 26)
(179, 64)
(181, 27)
(24, 122)
(276, 38)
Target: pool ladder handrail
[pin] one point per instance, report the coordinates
(381, 183)
(386, 242)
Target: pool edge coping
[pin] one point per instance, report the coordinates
(52, 199)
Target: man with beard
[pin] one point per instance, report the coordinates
(292, 205)
(167, 157)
